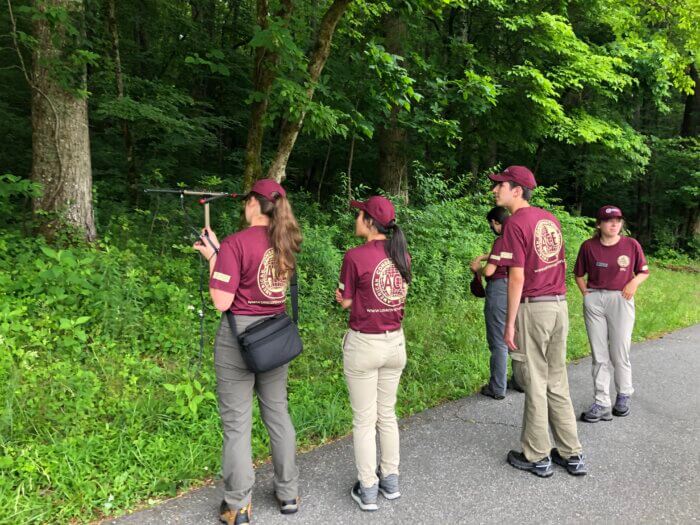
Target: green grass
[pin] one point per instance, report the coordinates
(108, 412)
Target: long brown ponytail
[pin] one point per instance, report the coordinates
(284, 232)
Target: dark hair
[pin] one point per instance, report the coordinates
(396, 247)
(498, 214)
(283, 232)
(527, 192)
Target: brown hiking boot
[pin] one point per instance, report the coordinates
(234, 517)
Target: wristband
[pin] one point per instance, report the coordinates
(213, 255)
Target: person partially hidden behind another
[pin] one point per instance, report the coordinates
(615, 266)
(537, 325)
(373, 283)
(249, 275)
(495, 307)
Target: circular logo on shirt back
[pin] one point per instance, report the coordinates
(623, 261)
(387, 284)
(269, 283)
(547, 241)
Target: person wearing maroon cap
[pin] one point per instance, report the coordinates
(373, 282)
(537, 325)
(249, 273)
(615, 266)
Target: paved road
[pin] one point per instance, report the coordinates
(644, 468)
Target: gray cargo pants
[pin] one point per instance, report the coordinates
(235, 385)
(609, 322)
(495, 308)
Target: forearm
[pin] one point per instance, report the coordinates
(640, 278)
(581, 283)
(516, 280)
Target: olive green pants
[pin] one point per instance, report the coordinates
(539, 366)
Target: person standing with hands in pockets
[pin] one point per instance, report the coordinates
(249, 274)
(373, 282)
(537, 326)
(616, 266)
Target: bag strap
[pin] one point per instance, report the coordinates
(294, 290)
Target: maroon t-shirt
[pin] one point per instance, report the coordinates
(245, 267)
(610, 267)
(532, 240)
(378, 292)
(495, 258)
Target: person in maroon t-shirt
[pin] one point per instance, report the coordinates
(615, 266)
(373, 282)
(495, 308)
(248, 275)
(537, 326)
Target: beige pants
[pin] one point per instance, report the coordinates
(373, 364)
(539, 367)
(609, 323)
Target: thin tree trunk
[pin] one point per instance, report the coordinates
(691, 114)
(131, 177)
(263, 77)
(392, 138)
(60, 137)
(323, 172)
(350, 159)
(317, 60)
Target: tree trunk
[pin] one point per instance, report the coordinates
(392, 138)
(317, 60)
(263, 77)
(691, 116)
(131, 178)
(60, 137)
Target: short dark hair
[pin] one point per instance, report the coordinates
(498, 214)
(527, 192)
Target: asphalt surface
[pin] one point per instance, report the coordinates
(644, 468)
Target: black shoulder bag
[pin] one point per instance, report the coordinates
(273, 341)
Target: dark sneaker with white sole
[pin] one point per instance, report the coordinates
(488, 392)
(622, 405)
(596, 413)
(366, 498)
(231, 516)
(288, 506)
(389, 486)
(574, 465)
(542, 468)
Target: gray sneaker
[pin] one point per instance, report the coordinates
(574, 465)
(365, 497)
(389, 486)
(622, 405)
(597, 413)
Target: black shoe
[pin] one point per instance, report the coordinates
(289, 506)
(541, 468)
(574, 465)
(513, 385)
(622, 405)
(365, 498)
(486, 391)
(234, 517)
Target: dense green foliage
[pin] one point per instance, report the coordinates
(107, 403)
(595, 95)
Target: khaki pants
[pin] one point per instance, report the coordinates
(235, 385)
(373, 364)
(609, 322)
(539, 366)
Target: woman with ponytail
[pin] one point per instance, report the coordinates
(249, 273)
(374, 279)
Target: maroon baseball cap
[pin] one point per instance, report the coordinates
(608, 212)
(268, 188)
(379, 208)
(518, 174)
